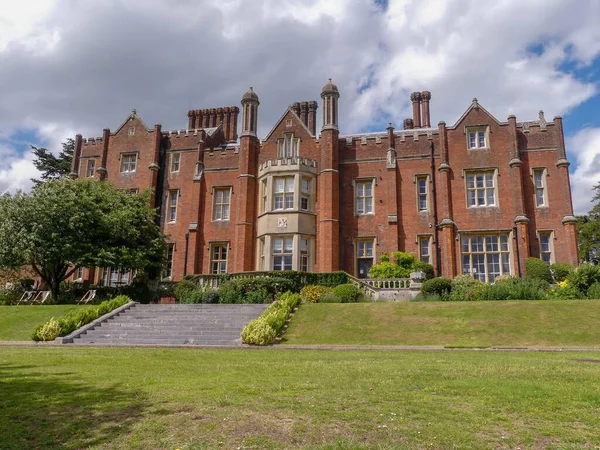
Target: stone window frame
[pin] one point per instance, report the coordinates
(543, 172)
(485, 251)
(294, 146)
(225, 207)
(480, 131)
(175, 162)
(364, 181)
(283, 254)
(131, 131)
(219, 261)
(167, 274)
(417, 179)
(364, 239)
(172, 206)
(90, 173)
(550, 251)
(125, 162)
(285, 195)
(478, 171)
(428, 256)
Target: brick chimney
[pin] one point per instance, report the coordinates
(425, 97)
(312, 117)
(415, 98)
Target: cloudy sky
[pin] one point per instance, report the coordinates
(73, 66)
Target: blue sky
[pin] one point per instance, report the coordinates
(62, 73)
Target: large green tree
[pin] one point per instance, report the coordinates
(588, 231)
(64, 224)
(51, 166)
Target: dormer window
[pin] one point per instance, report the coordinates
(477, 137)
(288, 146)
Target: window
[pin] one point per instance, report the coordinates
(283, 197)
(168, 273)
(422, 192)
(172, 208)
(90, 168)
(133, 191)
(283, 253)
(304, 255)
(222, 201)
(485, 257)
(288, 146)
(364, 257)
(131, 131)
(261, 252)
(364, 197)
(305, 194)
(546, 246)
(78, 275)
(175, 161)
(425, 249)
(128, 162)
(218, 261)
(477, 137)
(114, 277)
(481, 189)
(264, 195)
(539, 185)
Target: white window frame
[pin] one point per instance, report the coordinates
(424, 256)
(362, 249)
(175, 162)
(222, 206)
(305, 189)
(128, 162)
(539, 189)
(480, 253)
(488, 175)
(90, 168)
(284, 197)
(478, 137)
(173, 200)
(284, 253)
(265, 195)
(304, 254)
(549, 251)
(362, 206)
(288, 147)
(170, 256)
(422, 196)
(218, 264)
(131, 131)
(113, 276)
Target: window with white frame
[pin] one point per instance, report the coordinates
(485, 256)
(128, 162)
(305, 194)
(481, 188)
(288, 146)
(539, 183)
(283, 193)
(90, 168)
(113, 277)
(261, 254)
(175, 161)
(477, 137)
(422, 192)
(545, 246)
(283, 253)
(264, 195)
(131, 131)
(222, 199)
(364, 197)
(172, 206)
(364, 257)
(425, 249)
(218, 258)
(304, 260)
(168, 272)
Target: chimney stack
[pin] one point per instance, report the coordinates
(415, 98)
(296, 108)
(408, 124)
(312, 117)
(304, 113)
(425, 97)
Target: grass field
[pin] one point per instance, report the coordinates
(470, 324)
(18, 322)
(136, 398)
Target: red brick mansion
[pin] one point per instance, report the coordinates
(477, 197)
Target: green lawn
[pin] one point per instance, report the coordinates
(18, 322)
(141, 398)
(471, 324)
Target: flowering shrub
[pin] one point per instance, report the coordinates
(313, 293)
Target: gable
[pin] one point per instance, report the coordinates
(475, 114)
(133, 120)
(288, 123)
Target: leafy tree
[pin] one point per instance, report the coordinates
(588, 231)
(64, 224)
(53, 167)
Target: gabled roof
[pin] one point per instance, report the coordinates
(474, 106)
(133, 115)
(289, 110)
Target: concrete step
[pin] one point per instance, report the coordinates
(133, 341)
(150, 333)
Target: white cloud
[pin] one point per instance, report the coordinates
(586, 145)
(69, 66)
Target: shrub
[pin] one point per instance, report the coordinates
(347, 293)
(583, 277)
(385, 258)
(330, 297)
(560, 272)
(328, 279)
(536, 269)
(183, 288)
(258, 332)
(313, 293)
(404, 263)
(438, 286)
(193, 297)
(47, 331)
(565, 292)
(210, 296)
(594, 291)
(10, 296)
(253, 290)
(464, 288)
(513, 289)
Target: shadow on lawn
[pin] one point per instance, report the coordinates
(58, 411)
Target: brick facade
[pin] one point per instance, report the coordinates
(477, 197)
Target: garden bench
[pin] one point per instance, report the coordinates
(34, 297)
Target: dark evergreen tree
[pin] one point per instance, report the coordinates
(51, 166)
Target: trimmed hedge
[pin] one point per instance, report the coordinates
(536, 269)
(264, 329)
(348, 293)
(437, 286)
(66, 325)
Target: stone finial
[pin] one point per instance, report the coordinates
(475, 103)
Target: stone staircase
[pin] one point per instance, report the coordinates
(173, 325)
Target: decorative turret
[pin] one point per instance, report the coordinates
(249, 113)
(330, 96)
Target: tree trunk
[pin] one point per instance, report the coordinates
(54, 289)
